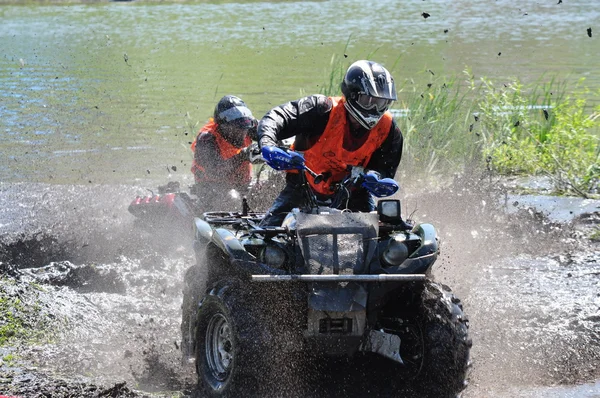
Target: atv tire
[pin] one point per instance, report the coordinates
(446, 344)
(229, 344)
(193, 286)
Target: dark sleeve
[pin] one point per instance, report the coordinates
(386, 159)
(305, 119)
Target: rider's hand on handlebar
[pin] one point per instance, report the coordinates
(280, 159)
(252, 152)
(372, 176)
(380, 187)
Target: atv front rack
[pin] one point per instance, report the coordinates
(339, 278)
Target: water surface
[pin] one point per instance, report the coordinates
(114, 92)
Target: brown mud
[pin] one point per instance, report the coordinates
(106, 296)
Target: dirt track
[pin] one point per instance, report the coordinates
(112, 294)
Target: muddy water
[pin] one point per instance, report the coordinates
(530, 279)
(530, 287)
(123, 327)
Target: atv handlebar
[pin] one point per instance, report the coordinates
(281, 159)
(340, 278)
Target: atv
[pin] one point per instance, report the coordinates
(327, 283)
(172, 208)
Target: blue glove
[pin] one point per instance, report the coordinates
(379, 187)
(279, 159)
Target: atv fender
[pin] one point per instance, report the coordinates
(226, 241)
(202, 231)
(429, 240)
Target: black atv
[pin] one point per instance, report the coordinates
(327, 283)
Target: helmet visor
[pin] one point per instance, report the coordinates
(235, 113)
(368, 103)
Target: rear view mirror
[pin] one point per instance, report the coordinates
(389, 211)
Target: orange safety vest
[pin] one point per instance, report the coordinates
(242, 175)
(327, 155)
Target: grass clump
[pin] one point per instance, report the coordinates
(20, 318)
(551, 135)
(438, 127)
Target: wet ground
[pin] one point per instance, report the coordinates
(110, 293)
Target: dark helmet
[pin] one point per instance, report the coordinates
(369, 90)
(235, 120)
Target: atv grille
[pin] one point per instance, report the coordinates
(335, 326)
(334, 254)
(337, 244)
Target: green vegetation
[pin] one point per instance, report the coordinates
(9, 360)
(11, 324)
(20, 320)
(557, 138)
(595, 235)
(451, 127)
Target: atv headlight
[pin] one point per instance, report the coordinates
(273, 256)
(395, 254)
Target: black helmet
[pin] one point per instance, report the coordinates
(235, 119)
(369, 90)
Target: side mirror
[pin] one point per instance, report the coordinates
(389, 211)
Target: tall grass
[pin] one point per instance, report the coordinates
(453, 126)
(438, 126)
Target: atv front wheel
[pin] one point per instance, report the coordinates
(228, 345)
(435, 345)
(446, 343)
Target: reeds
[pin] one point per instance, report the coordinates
(452, 126)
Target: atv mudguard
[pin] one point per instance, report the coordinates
(429, 241)
(240, 263)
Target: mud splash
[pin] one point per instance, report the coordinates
(529, 279)
(108, 295)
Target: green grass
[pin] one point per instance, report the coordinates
(21, 321)
(595, 235)
(453, 125)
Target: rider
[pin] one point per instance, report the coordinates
(336, 132)
(221, 151)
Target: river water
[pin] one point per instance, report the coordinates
(112, 92)
(104, 98)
